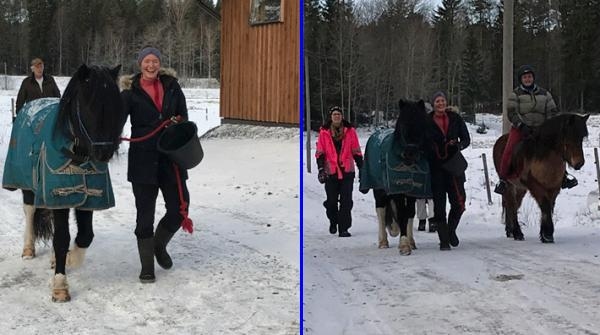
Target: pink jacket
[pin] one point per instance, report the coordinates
(350, 148)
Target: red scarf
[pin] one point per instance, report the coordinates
(155, 90)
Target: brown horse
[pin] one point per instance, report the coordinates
(541, 160)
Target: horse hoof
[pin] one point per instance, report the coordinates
(28, 253)
(393, 229)
(546, 239)
(384, 245)
(404, 246)
(60, 295)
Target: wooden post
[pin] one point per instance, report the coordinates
(487, 179)
(507, 61)
(597, 174)
(307, 109)
(12, 108)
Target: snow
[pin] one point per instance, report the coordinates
(238, 273)
(487, 285)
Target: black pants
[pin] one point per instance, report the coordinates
(145, 203)
(339, 191)
(442, 184)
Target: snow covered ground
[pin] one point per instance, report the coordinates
(237, 274)
(487, 285)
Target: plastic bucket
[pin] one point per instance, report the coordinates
(181, 143)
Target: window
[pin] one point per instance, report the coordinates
(265, 11)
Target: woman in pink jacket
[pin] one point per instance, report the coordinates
(337, 151)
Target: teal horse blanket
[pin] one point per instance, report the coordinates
(35, 162)
(385, 168)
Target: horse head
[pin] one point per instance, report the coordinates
(564, 134)
(410, 127)
(91, 112)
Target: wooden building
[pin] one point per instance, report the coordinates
(260, 66)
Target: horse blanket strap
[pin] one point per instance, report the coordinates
(36, 161)
(386, 168)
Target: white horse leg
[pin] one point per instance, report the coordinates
(404, 246)
(409, 233)
(29, 239)
(60, 288)
(383, 241)
(76, 256)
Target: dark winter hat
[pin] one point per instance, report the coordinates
(526, 69)
(335, 108)
(148, 51)
(436, 95)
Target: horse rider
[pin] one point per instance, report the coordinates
(528, 107)
(338, 150)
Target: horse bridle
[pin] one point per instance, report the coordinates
(86, 133)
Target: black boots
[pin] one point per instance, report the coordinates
(332, 228)
(432, 226)
(422, 224)
(146, 251)
(500, 187)
(161, 238)
(568, 182)
(442, 229)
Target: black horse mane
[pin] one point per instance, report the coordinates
(94, 92)
(553, 133)
(411, 123)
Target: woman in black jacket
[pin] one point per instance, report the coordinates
(150, 97)
(448, 135)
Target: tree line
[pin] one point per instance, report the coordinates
(67, 33)
(365, 55)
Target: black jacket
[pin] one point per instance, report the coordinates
(146, 164)
(30, 90)
(439, 149)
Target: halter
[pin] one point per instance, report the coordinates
(85, 132)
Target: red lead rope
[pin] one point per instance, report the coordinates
(186, 224)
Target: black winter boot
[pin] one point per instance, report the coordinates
(432, 226)
(161, 238)
(422, 224)
(146, 251)
(442, 229)
(569, 182)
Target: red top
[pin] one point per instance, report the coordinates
(442, 122)
(155, 90)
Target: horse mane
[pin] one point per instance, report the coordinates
(552, 134)
(411, 123)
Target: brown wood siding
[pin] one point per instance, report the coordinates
(260, 65)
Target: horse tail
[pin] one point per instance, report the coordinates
(43, 224)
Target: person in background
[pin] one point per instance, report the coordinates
(150, 97)
(449, 135)
(425, 211)
(37, 85)
(528, 107)
(338, 150)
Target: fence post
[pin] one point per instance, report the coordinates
(597, 174)
(487, 179)
(12, 108)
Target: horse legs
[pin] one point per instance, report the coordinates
(29, 238)
(60, 288)
(512, 199)
(546, 226)
(382, 240)
(85, 235)
(401, 206)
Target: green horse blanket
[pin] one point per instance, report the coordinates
(385, 168)
(35, 162)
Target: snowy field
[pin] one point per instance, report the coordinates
(237, 274)
(487, 285)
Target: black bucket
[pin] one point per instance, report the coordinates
(181, 143)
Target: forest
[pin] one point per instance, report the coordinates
(364, 55)
(67, 33)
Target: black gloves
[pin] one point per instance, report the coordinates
(322, 176)
(525, 129)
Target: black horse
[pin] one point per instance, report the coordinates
(58, 156)
(397, 170)
(540, 163)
